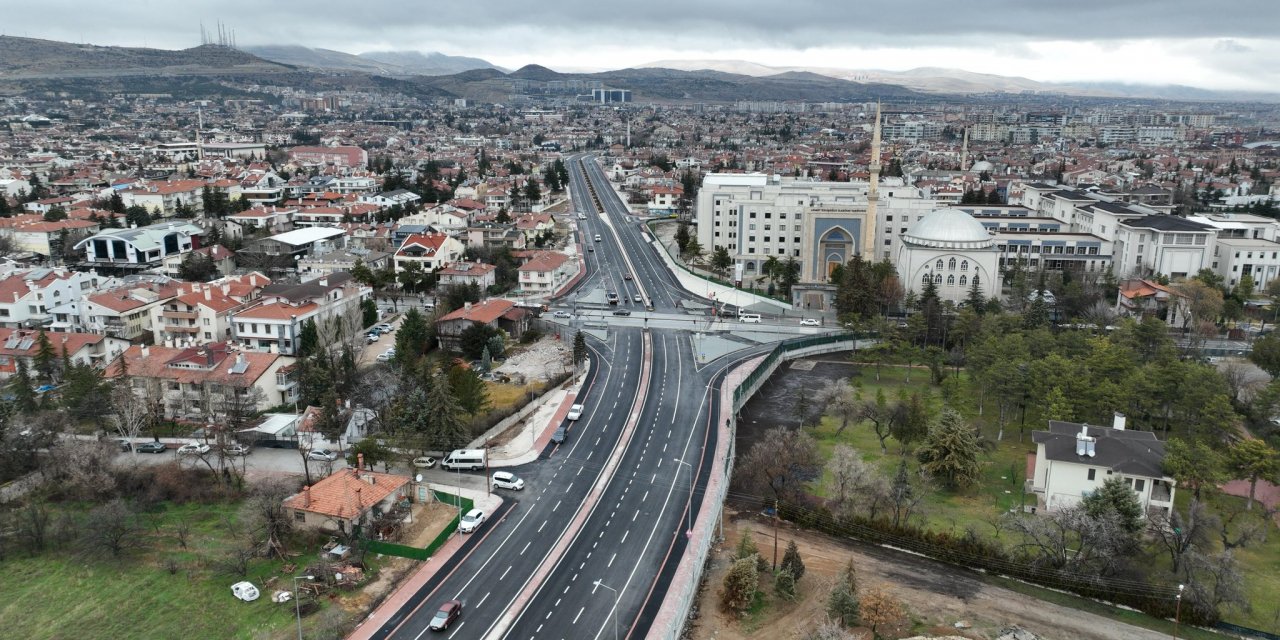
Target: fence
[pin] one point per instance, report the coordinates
(682, 594)
(415, 553)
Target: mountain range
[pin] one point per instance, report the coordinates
(391, 63)
(28, 64)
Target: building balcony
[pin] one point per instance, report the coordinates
(179, 315)
(181, 328)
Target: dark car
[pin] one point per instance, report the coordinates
(151, 447)
(448, 613)
(622, 312)
(626, 276)
(562, 432)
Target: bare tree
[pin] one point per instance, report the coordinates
(115, 528)
(265, 515)
(1072, 539)
(856, 485)
(781, 463)
(1241, 381)
(841, 402)
(81, 468)
(1214, 583)
(1180, 535)
(130, 413)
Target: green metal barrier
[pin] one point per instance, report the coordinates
(414, 553)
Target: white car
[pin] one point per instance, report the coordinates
(562, 314)
(575, 411)
(245, 591)
(387, 355)
(322, 454)
(469, 522)
(507, 480)
(424, 462)
(193, 449)
(582, 216)
(385, 328)
(810, 322)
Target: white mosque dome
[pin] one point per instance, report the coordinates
(949, 229)
(982, 165)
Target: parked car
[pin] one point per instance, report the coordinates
(622, 312)
(810, 322)
(507, 480)
(424, 462)
(385, 327)
(561, 434)
(575, 411)
(322, 454)
(372, 337)
(237, 449)
(245, 591)
(150, 447)
(448, 613)
(193, 449)
(387, 355)
(469, 522)
(124, 443)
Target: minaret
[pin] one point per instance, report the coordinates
(873, 192)
(964, 151)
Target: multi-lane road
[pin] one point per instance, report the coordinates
(586, 550)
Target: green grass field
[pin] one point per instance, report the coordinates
(1000, 489)
(67, 594)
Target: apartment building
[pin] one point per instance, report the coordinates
(80, 348)
(431, 251)
(275, 322)
(27, 297)
(139, 248)
(198, 314)
(201, 382)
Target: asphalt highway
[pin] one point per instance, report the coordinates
(586, 550)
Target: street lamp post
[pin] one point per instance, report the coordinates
(297, 601)
(458, 497)
(616, 597)
(688, 507)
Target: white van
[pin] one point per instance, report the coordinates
(749, 317)
(597, 237)
(469, 459)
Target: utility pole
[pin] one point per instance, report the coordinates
(1177, 615)
(775, 534)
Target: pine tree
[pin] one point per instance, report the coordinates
(45, 357)
(842, 604)
(784, 584)
(740, 585)
(579, 349)
(747, 546)
(24, 396)
(950, 451)
(791, 561)
(1115, 497)
(448, 431)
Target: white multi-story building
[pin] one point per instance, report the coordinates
(198, 314)
(1167, 245)
(26, 297)
(275, 323)
(142, 247)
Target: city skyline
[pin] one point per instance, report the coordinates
(1130, 42)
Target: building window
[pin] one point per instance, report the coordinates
(938, 265)
(1139, 484)
(975, 280)
(951, 281)
(937, 279)
(951, 265)
(964, 266)
(300, 516)
(1092, 473)
(925, 279)
(963, 280)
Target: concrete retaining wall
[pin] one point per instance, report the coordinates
(682, 593)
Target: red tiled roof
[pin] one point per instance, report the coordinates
(347, 493)
(483, 312)
(214, 364)
(69, 342)
(277, 311)
(544, 261)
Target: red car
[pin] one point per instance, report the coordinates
(448, 612)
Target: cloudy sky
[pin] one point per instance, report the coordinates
(1142, 41)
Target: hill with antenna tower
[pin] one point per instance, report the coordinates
(32, 58)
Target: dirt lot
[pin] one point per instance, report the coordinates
(538, 361)
(936, 596)
(430, 520)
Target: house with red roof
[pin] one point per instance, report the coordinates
(200, 313)
(33, 233)
(275, 323)
(1142, 298)
(465, 273)
(81, 348)
(429, 250)
(348, 498)
(193, 382)
(545, 271)
(500, 314)
(124, 312)
(162, 198)
(28, 297)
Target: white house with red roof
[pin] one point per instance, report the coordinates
(269, 217)
(533, 225)
(545, 272)
(32, 233)
(123, 312)
(430, 250)
(275, 323)
(350, 157)
(200, 313)
(81, 348)
(163, 198)
(194, 382)
(348, 498)
(28, 297)
(465, 273)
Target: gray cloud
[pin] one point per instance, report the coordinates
(509, 26)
